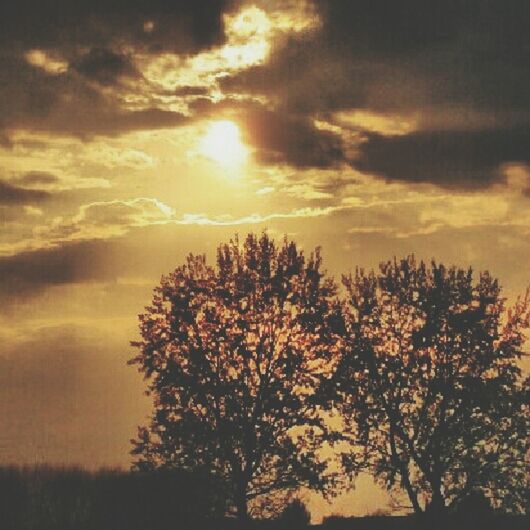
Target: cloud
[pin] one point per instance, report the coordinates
(83, 248)
(29, 272)
(290, 139)
(50, 64)
(277, 137)
(105, 66)
(438, 74)
(307, 192)
(100, 76)
(102, 220)
(71, 69)
(32, 211)
(184, 26)
(68, 104)
(118, 157)
(13, 195)
(56, 164)
(370, 53)
(190, 90)
(110, 121)
(464, 211)
(250, 31)
(517, 177)
(453, 159)
(411, 26)
(94, 221)
(102, 242)
(38, 178)
(113, 219)
(227, 220)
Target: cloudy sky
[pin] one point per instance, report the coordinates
(134, 132)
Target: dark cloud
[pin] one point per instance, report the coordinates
(35, 178)
(381, 27)
(413, 57)
(394, 55)
(5, 140)
(143, 253)
(377, 28)
(113, 122)
(290, 139)
(28, 273)
(86, 40)
(182, 26)
(463, 159)
(191, 91)
(65, 104)
(105, 66)
(410, 57)
(12, 195)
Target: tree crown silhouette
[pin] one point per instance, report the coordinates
(234, 355)
(429, 384)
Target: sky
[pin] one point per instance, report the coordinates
(134, 132)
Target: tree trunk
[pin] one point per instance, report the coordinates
(437, 504)
(241, 501)
(436, 511)
(412, 495)
(404, 472)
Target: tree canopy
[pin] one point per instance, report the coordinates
(234, 355)
(429, 385)
(247, 359)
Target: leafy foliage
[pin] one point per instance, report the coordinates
(234, 356)
(429, 384)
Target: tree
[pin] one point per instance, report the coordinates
(429, 384)
(295, 515)
(233, 356)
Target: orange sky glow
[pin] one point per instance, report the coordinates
(132, 138)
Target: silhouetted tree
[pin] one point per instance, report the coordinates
(233, 355)
(430, 387)
(295, 515)
(475, 506)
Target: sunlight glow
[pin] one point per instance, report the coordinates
(222, 144)
(50, 64)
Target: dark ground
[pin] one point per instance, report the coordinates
(52, 499)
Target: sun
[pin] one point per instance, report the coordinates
(222, 144)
